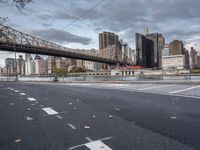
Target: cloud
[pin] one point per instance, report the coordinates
(62, 37)
(173, 18)
(46, 24)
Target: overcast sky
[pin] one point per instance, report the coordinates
(175, 19)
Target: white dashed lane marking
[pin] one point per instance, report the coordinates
(71, 126)
(22, 94)
(172, 117)
(50, 111)
(31, 99)
(59, 117)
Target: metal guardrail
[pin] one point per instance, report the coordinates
(8, 79)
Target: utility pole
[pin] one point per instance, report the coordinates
(15, 62)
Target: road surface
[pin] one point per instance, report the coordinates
(55, 116)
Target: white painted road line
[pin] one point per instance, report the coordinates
(50, 111)
(58, 116)
(22, 93)
(97, 145)
(31, 99)
(71, 126)
(16, 91)
(155, 87)
(94, 145)
(88, 139)
(172, 117)
(178, 91)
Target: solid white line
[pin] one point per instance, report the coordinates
(167, 94)
(50, 111)
(97, 145)
(31, 99)
(71, 126)
(58, 116)
(178, 91)
(149, 88)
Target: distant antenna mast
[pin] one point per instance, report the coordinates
(146, 31)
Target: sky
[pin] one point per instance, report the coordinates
(50, 19)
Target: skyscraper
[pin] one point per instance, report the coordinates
(10, 66)
(193, 54)
(149, 49)
(159, 43)
(187, 59)
(51, 63)
(198, 62)
(21, 65)
(106, 39)
(40, 65)
(176, 47)
(144, 51)
(28, 66)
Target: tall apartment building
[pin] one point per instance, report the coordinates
(1, 71)
(198, 62)
(10, 66)
(176, 47)
(187, 58)
(193, 54)
(41, 66)
(21, 65)
(28, 66)
(51, 63)
(106, 39)
(61, 64)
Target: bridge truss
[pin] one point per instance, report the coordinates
(13, 40)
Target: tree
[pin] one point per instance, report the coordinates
(19, 4)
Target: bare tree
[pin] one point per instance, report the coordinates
(19, 4)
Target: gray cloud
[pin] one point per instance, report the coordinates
(172, 18)
(62, 37)
(46, 24)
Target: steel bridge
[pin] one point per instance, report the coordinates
(16, 41)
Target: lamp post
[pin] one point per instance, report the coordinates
(15, 63)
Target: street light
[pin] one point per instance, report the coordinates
(15, 62)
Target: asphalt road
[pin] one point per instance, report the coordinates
(37, 116)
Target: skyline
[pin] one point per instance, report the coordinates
(46, 18)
